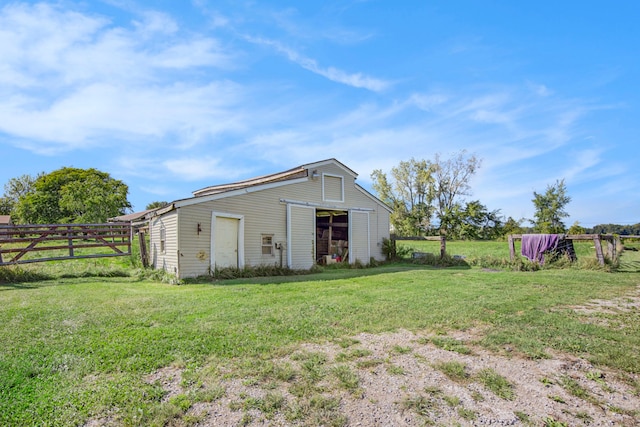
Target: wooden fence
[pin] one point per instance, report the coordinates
(19, 240)
(595, 238)
(441, 239)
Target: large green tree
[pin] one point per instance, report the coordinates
(421, 190)
(475, 222)
(452, 179)
(550, 209)
(72, 195)
(410, 195)
(513, 226)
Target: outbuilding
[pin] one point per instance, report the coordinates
(312, 214)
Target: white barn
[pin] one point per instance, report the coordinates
(312, 214)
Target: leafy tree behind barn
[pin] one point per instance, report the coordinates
(452, 182)
(410, 194)
(422, 191)
(156, 204)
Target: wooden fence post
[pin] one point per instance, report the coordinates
(143, 249)
(598, 245)
(70, 241)
(512, 247)
(611, 247)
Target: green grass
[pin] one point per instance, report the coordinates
(495, 382)
(449, 344)
(456, 371)
(75, 349)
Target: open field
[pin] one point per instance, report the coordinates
(477, 250)
(404, 344)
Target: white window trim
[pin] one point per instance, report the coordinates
(271, 245)
(163, 239)
(341, 187)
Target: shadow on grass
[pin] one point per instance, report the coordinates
(15, 286)
(323, 275)
(16, 278)
(629, 267)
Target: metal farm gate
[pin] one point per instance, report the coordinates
(62, 241)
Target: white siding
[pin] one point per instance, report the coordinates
(359, 247)
(380, 226)
(301, 242)
(167, 259)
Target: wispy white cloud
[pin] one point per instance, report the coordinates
(154, 22)
(207, 167)
(428, 102)
(539, 89)
(526, 142)
(91, 113)
(358, 80)
(85, 81)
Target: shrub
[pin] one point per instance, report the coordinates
(445, 261)
(393, 252)
(248, 272)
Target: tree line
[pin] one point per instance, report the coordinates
(625, 230)
(428, 198)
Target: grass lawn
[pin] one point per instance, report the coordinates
(80, 348)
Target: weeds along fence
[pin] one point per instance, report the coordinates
(23, 244)
(442, 239)
(613, 241)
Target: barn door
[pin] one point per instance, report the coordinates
(225, 240)
(301, 224)
(359, 241)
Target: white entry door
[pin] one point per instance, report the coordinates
(225, 242)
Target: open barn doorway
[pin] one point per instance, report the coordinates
(332, 236)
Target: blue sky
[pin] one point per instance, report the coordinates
(172, 96)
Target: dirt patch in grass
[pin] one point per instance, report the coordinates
(404, 379)
(169, 378)
(624, 304)
(416, 379)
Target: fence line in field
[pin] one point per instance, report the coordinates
(441, 239)
(596, 238)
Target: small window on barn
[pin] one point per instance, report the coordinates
(332, 188)
(267, 244)
(163, 239)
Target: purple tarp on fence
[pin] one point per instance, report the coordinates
(535, 245)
